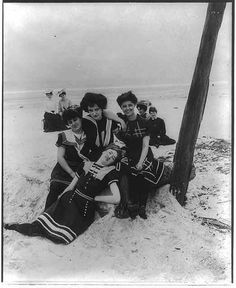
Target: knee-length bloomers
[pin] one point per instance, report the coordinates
(74, 211)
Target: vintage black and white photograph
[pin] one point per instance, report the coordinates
(117, 133)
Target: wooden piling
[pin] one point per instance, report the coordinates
(195, 105)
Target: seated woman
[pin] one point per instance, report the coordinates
(73, 212)
(99, 129)
(72, 150)
(142, 109)
(158, 130)
(144, 172)
(52, 120)
(64, 102)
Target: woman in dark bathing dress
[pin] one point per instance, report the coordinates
(99, 125)
(72, 150)
(144, 172)
(73, 212)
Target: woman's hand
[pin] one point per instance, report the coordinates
(72, 174)
(111, 115)
(139, 166)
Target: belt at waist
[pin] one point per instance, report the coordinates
(84, 196)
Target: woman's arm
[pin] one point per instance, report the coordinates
(113, 199)
(71, 186)
(59, 108)
(69, 103)
(62, 161)
(112, 116)
(145, 147)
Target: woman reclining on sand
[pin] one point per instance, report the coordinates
(74, 211)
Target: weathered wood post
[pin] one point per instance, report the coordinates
(196, 102)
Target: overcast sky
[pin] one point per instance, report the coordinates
(48, 45)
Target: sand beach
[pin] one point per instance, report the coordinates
(174, 245)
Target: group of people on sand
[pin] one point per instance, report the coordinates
(102, 158)
(52, 118)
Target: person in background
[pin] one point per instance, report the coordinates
(52, 120)
(99, 129)
(144, 172)
(72, 149)
(74, 211)
(158, 130)
(142, 109)
(64, 102)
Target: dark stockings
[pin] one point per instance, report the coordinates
(139, 189)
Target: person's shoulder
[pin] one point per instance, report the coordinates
(60, 139)
(158, 119)
(141, 119)
(87, 120)
(122, 116)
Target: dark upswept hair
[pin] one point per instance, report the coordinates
(120, 152)
(152, 109)
(141, 105)
(128, 96)
(72, 112)
(90, 99)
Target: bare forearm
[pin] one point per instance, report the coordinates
(106, 199)
(110, 115)
(65, 166)
(144, 149)
(113, 199)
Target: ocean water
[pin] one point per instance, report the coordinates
(35, 98)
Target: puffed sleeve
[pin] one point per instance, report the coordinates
(59, 142)
(80, 170)
(122, 116)
(111, 177)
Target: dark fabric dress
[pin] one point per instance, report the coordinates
(140, 182)
(99, 134)
(158, 133)
(52, 122)
(133, 138)
(74, 211)
(76, 150)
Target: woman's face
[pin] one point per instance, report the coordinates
(128, 108)
(141, 111)
(95, 112)
(75, 124)
(108, 157)
(49, 96)
(63, 96)
(153, 114)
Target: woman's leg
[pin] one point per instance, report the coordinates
(56, 188)
(121, 210)
(144, 189)
(29, 229)
(32, 229)
(133, 203)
